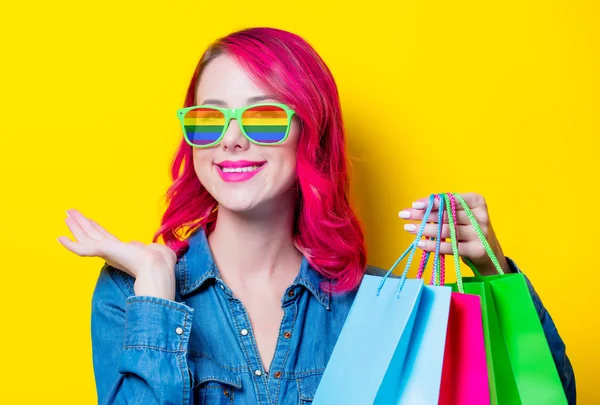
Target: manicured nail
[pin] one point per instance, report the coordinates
(419, 205)
(404, 214)
(421, 244)
(410, 227)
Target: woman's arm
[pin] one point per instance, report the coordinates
(557, 346)
(139, 344)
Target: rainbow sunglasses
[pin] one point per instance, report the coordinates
(263, 124)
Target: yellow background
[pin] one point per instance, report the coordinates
(500, 98)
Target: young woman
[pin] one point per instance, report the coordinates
(262, 252)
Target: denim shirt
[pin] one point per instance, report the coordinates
(200, 348)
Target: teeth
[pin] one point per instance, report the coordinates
(240, 169)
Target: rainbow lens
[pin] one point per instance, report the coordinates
(203, 126)
(265, 124)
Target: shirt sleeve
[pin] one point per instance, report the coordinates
(139, 344)
(557, 346)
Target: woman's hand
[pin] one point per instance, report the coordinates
(152, 266)
(469, 245)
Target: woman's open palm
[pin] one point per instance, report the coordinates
(151, 265)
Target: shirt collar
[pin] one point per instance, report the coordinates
(197, 265)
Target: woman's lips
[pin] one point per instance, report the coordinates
(239, 171)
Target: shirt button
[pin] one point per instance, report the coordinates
(179, 331)
(221, 285)
(244, 332)
(226, 392)
(258, 373)
(287, 335)
(277, 374)
(291, 293)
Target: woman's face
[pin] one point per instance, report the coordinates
(268, 171)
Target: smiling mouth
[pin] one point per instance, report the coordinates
(240, 169)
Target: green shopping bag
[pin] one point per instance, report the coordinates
(503, 387)
(522, 371)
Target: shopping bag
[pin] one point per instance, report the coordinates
(523, 361)
(366, 362)
(422, 371)
(524, 372)
(465, 372)
(391, 343)
(502, 384)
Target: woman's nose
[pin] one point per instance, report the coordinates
(234, 138)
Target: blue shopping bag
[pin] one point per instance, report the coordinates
(366, 363)
(422, 372)
(391, 347)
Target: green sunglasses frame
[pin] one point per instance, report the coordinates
(236, 113)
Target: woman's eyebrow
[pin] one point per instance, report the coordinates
(214, 101)
(257, 99)
(250, 100)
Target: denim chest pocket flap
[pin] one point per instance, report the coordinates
(213, 384)
(307, 387)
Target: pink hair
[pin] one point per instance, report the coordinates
(326, 230)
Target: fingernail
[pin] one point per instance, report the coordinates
(419, 205)
(68, 214)
(410, 227)
(404, 214)
(421, 244)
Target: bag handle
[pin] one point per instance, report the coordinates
(443, 266)
(411, 249)
(452, 221)
(424, 261)
(435, 276)
(438, 264)
(438, 275)
(481, 236)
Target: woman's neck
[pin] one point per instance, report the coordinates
(260, 248)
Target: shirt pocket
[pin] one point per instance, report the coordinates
(307, 386)
(213, 384)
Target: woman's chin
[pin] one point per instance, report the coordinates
(238, 205)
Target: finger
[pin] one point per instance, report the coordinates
(417, 215)
(464, 249)
(463, 232)
(103, 231)
(78, 232)
(77, 248)
(84, 224)
(473, 200)
(422, 203)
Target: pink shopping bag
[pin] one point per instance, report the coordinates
(464, 372)
(465, 379)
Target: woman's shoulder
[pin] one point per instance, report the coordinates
(377, 271)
